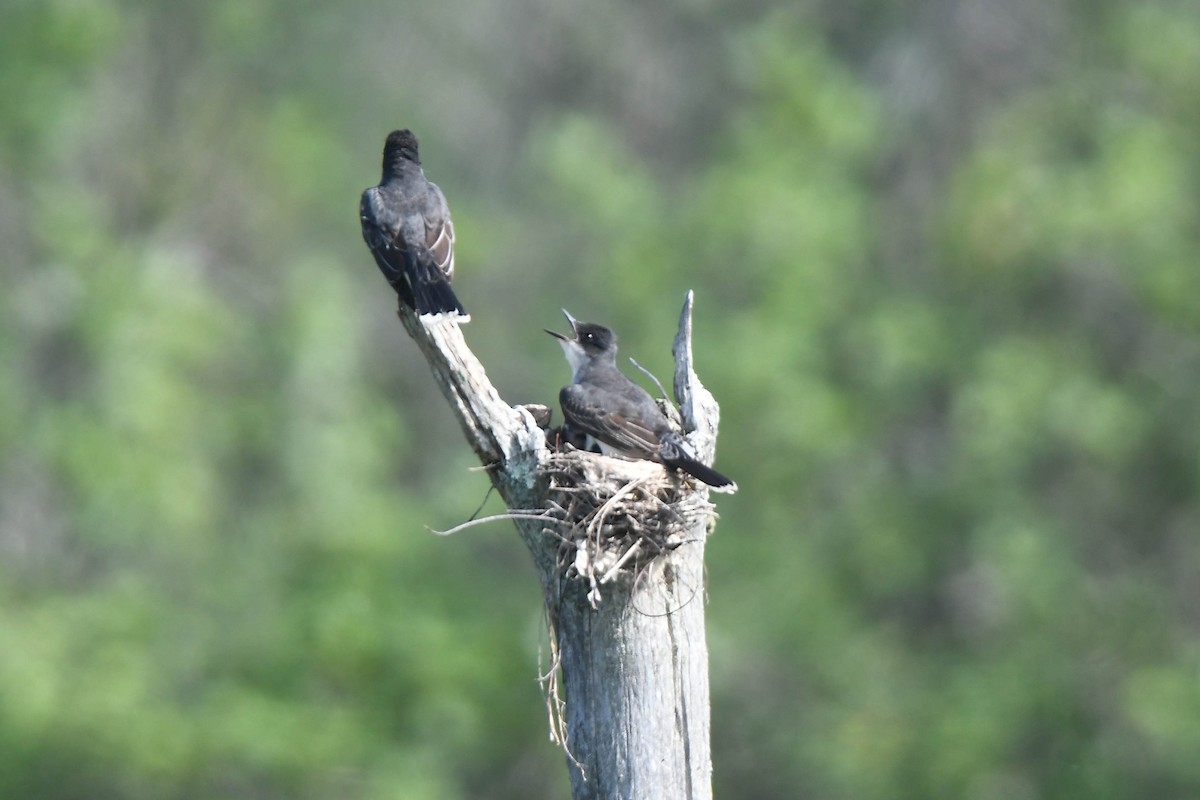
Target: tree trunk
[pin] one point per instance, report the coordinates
(619, 549)
(636, 675)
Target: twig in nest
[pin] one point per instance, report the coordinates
(601, 514)
(507, 515)
(630, 553)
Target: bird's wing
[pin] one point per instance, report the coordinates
(384, 241)
(609, 419)
(439, 232)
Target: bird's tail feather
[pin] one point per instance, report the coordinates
(436, 297)
(675, 453)
(432, 293)
(714, 479)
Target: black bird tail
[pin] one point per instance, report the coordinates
(675, 454)
(716, 480)
(434, 296)
(431, 291)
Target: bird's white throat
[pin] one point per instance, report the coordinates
(575, 357)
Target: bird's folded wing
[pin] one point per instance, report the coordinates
(605, 416)
(439, 229)
(386, 246)
(439, 238)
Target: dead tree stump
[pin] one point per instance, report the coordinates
(619, 550)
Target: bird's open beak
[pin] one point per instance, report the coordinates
(558, 335)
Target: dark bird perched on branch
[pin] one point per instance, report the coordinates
(618, 413)
(406, 223)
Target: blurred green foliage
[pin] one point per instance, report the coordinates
(946, 275)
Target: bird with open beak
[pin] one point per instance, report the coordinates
(618, 414)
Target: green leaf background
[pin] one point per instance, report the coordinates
(946, 258)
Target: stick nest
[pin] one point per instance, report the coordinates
(614, 516)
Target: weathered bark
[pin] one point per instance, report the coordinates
(619, 549)
(636, 676)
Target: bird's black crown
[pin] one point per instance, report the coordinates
(595, 338)
(400, 145)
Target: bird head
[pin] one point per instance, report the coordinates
(400, 146)
(588, 342)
